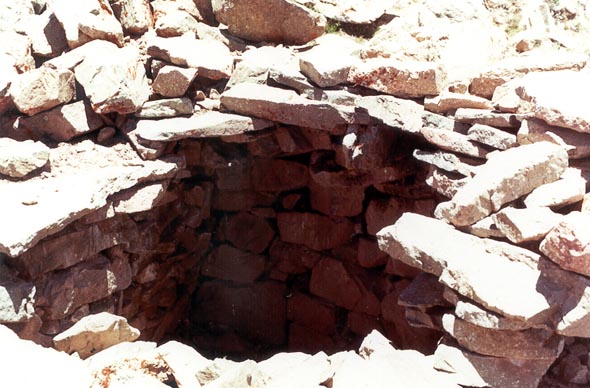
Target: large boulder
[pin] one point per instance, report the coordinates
(277, 21)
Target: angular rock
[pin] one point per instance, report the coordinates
(18, 48)
(444, 183)
(530, 224)
(453, 141)
(142, 198)
(173, 81)
(575, 143)
(183, 360)
(365, 148)
(475, 370)
(170, 107)
(62, 123)
(450, 102)
(16, 298)
(207, 124)
(299, 24)
(135, 15)
(407, 79)
(114, 80)
(171, 21)
(474, 314)
(393, 112)
(18, 159)
(82, 177)
(337, 201)
(285, 106)
(492, 137)
(570, 188)
(505, 176)
(330, 280)
(312, 313)
(553, 100)
(423, 292)
(568, 245)
(329, 63)
(94, 333)
(42, 89)
(211, 58)
(247, 231)
(293, 258)
(490, 118)
(229, 263)
(314, 231)
(89, 20)
(466, 263)
(383, 212)
(448, 162)
(46, 34)
(530, 344)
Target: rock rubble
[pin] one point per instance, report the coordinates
(250, 178)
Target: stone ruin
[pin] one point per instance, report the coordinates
(327, 194)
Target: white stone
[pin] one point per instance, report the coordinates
(170, 107)
(18, 159)
(576, 144)
(570, 188)
(530, 224)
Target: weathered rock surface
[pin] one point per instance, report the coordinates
(400, 79)
(570, 188)
(575, 143)
(505, 177)
(567, 243)
(16, 298)
(299, 24)
(170, 107)
(173, 81)
(94, 333)
(287, 107)
(18, 159)
(114, 80)
(42, 89)
(530, 224)
(206, 124)
(313, 230)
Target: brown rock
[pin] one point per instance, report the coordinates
(311, 313)
(331, 280)
(135, 15)
(381, 213)
(369, 255)
(233, 201)
(450, 102)
(293, 258)
(263, 322)
(299, 24)
(62, 123)
(314, 231)
(247, 231)
(575, 143)
(453, 141)
(337, 201)
(407, 79)
(173, 81)
(278, 175)
(229, 263)
(305, 339)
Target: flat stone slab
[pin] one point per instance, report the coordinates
(559, 98)
(170, 107)
(286, 106)
(18, 159)
(393, 112)
(491, 136)
(570, 188)
(506, 176)
(530, 224)
(80, 180)
(489, 117)
(208, 124)
(577, 144)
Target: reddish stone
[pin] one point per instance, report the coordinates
(257, 312)
(304, 339)
(234, 177)
(292, 258)
(362, 324)
(278, 175)
(231, 201)
(401, 269)
(365, 148)
(382, 213)
(399, 330)
(369, 255)
(229, 263)
(331, 280)
(368, 303)
(264, 145)
(315, 231)
(337, 201)
(311, 313)
(60, 293)
(289, 201)
(247, 231)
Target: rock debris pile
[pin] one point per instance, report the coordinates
(259, 176)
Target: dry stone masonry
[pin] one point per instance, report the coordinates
(334, 194)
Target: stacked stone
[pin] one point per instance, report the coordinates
(166, 170)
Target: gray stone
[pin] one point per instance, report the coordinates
(447, 161)
(135, 15)
(488, 117)
(492, 136)
(18, 159)
(444, 183)
(453, 141)
(393, 112)
(575, 143)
